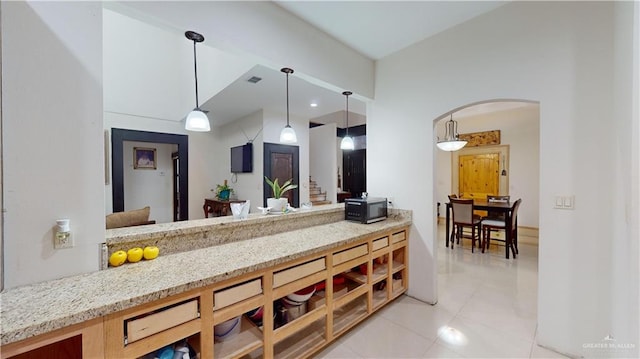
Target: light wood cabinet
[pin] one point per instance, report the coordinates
(368, 274)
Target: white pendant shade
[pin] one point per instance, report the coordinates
(347, 143)
(288, 135)
(451, 145)
(197, 121)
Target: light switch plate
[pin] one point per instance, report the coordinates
(564, 202)
(559, 202)
(568, 202)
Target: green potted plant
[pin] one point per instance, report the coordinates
(223, 191)
(277, 203)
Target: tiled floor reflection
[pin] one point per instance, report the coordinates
(486, 309)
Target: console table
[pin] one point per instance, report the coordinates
(218, 207)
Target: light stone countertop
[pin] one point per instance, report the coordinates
(43, 307)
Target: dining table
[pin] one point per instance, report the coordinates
(484, 205)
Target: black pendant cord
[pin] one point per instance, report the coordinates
(195, 70)
(347, 94)
(347, 115)
(287, 99)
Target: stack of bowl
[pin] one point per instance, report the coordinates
(296, 303)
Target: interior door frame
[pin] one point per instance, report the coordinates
(119, 135)
(482, 150)
(270, 148)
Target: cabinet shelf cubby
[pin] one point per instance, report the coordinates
(248, 340)
(302, 342)
(349, 314)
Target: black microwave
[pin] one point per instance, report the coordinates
(365, 210)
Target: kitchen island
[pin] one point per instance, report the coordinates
(183, 295)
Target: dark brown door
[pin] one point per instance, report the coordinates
(282, 162)
(175, 159)
(354, 164)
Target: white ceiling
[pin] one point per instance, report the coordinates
(379, 28)
(243, 98)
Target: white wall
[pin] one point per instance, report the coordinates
(546, 52)
(323, 166)
(247, 186)
(52, 136)
(150, 187)
(625, 212)
(519, 128)
(151, 74)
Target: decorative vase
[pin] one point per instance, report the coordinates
(277, 204)
(224, 194)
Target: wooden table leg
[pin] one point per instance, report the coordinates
(206, 209)
(446, 233)
(507, 233)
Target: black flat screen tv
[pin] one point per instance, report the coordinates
(242, 158)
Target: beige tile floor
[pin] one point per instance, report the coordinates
(486, 309)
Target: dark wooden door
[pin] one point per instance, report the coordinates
(282, 162)
(175, 159)
(354, 165)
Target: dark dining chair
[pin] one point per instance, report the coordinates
(463, 218)
(496, 214)
(489, 225)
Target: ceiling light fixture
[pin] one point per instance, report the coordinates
(196, 120)
(288, 135)
(347, 142)
(451, 140)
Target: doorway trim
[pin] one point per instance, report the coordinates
(119, 135)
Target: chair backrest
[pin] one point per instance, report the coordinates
(452, 196)
(514, 212)
(502, 199)
(462, 210)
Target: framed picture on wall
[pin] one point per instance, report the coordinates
(144, 158)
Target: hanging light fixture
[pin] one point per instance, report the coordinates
(196, 120)
(288, 135)
(451, 140)
(347, 142)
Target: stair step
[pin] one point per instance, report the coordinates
(315, 190)
(318, 203)
(318, 197)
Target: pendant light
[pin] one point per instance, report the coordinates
(451, 140)
(288, 135)
(196, 120)
(347, 142)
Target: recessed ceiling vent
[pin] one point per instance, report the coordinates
(254, 79)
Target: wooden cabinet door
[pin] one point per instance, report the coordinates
(479, 175)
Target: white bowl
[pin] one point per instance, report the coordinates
(226, 330)
(302, 295)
